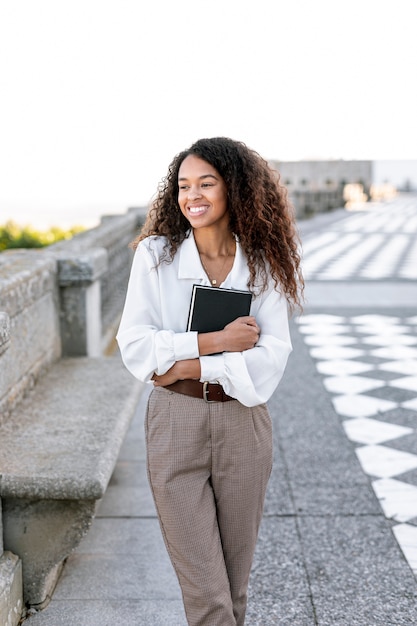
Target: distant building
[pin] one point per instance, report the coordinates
(318, 185)
(400, 173)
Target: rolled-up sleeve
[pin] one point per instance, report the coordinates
(144, 345)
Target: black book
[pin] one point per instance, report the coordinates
(212, 308)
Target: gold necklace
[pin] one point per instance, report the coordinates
(211, 279)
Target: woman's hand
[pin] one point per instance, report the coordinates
(189, 368)
(241, 334)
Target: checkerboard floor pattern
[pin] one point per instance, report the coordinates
(377, 243)
(369, 365)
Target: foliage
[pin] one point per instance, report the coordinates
(14, 236)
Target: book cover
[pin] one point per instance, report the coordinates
(212, 308)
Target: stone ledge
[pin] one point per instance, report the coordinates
(59, 449)
(11, 597)
(111, 229)
(25, 275)
(4, 332)
(81, 268)
(63, 439)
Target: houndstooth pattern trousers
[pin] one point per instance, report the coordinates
(208, 468)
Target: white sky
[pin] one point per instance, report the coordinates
(97, 96)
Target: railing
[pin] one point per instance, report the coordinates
(63, 300)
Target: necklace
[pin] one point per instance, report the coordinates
(220, 273)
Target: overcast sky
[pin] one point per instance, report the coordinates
(97, 96)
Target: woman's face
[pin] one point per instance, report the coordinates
(202, 194)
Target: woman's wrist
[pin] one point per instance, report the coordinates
(211, 343)
(189, 368)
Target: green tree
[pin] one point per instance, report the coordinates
(14, 236)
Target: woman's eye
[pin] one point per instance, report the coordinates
(207, 185)
(182, 187)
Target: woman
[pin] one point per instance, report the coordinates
(221, 218)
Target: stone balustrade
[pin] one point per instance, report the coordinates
(59, 310)
(63, 300)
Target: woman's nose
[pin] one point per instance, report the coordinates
(194, 193)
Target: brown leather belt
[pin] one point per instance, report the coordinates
(209, 392)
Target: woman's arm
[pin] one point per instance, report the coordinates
(246, 373)
(155, 311)
(251, 376)
(150, 335)
(181, 370)
(241, 334)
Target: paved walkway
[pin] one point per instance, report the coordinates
(338, 540)
(379, 242)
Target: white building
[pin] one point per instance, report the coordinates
(318, 185)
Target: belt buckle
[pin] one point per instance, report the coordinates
(206, 392)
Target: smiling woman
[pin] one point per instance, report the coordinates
(202, 192)
(202, 198)
(220, 220)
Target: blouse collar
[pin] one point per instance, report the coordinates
(190, 265)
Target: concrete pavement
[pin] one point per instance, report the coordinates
(328, 552)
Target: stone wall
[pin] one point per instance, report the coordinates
(29, 320)
(64, 300)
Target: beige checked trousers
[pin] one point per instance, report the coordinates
(208, 468)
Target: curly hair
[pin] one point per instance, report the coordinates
(260, 214)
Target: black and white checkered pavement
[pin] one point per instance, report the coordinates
(377, 243)
(369, 366)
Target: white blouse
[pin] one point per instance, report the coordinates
(152, 335)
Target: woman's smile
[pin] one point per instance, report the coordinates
(202, 194)
(198, 210)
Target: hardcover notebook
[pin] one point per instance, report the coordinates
(212, 308)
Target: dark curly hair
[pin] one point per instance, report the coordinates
(260, 214)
